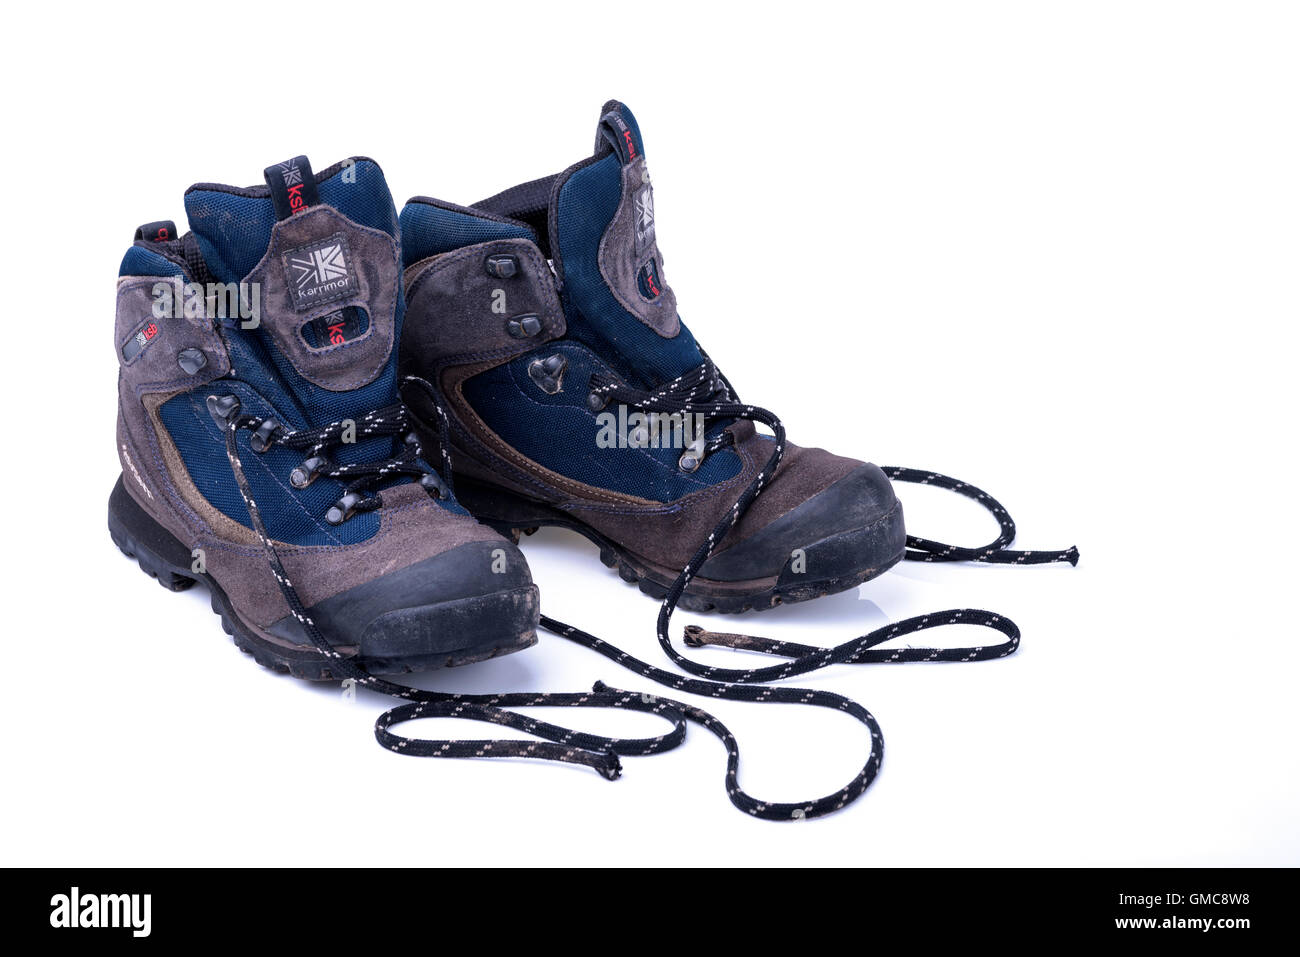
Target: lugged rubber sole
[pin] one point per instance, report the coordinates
(513, 516)
(163, 557)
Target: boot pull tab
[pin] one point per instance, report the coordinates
(162, 231)
(293, 187)
(617, 134)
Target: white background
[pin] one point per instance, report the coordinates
(1050, 249)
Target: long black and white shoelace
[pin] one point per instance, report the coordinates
(702, 390)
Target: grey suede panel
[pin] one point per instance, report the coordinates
(147, 381)
(452, 333)
(620, 258)
(376, 259)
(450, 317)
(669, 534)
(412, 528)
(155, 368)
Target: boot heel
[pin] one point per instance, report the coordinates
(154, 549)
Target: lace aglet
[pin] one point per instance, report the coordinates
(1071, 555)
(612, 768)
(692, 635)
(696, 637)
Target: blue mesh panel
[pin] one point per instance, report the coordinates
(559, 431)
(428, 230)
(251, 362)
(587, 203)
(291, 515)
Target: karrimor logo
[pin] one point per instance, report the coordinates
(325, 264)
(293, 186)
(132, 348)
(320, 272)
(122, 911)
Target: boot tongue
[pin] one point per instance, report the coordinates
(319, 255)
(603, 242)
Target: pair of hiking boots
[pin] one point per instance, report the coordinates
(341, 420)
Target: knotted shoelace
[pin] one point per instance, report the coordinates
(702, 390)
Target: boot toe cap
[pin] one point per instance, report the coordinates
(852, 527)
(469, 602)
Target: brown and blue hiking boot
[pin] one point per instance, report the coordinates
(569, 393)
(264, 447)
(578, 398)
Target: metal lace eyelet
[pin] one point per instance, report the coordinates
(261, 438)
(223, 409)
(191, 361)
(524, 327)
(434, 485)
(501, 267)
(343, 509)
(548, 374)
(693, 457)
(307, 472)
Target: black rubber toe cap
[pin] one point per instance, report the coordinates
(469, 596)
(850, 527)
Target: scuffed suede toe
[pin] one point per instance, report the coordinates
(429, 605)
(853, 525)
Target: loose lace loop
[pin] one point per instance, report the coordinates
(702, 390)
(996, 551)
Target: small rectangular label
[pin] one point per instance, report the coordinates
(320, 272)
(137, 343)
(335, 328)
